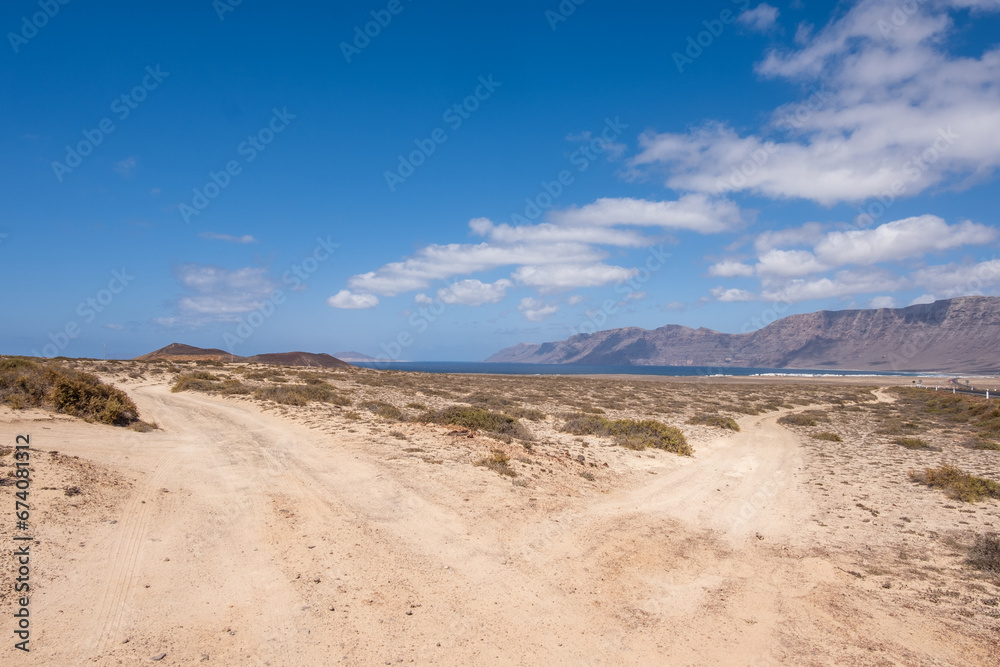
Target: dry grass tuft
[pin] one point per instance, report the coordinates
(715, 420)
(985, 553)
(957, 483)
(498, 462)
(479, 419)
(631, 433)
(912, 443)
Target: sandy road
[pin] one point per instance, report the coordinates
(253, 540)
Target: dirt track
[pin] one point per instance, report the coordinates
(251, 539)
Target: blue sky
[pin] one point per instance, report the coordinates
(266, 177)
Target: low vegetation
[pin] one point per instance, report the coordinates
(632, 433)
(479, 419)
(804, 418)
(718, 421)
(26, 383)
(912, 443)
(985, 553)
(315, 389)
(385, 410)
(827, 435)
(957, 483)
(498, 462)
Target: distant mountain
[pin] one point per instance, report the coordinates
(353, 356)
(959, 335)
(321, 360)
(181, 352)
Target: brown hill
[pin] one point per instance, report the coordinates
(181, 352)
(951, 336)
(321, 360)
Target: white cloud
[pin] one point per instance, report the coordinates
(808, 234)
(212, 236)
(695, 212)
(423, 299)
(893, 241)
(218, 294)
(730, 268)
(563, 252)
(893, 111)
(351, 301)
(554, 277)
(574, 300)
(114, 327)
(844, 283)
(550, 233)
(882, 302)
(125, 167)
(788, 263)
(923, 298)
(439, 262)
(761, 18)
(674, 305)
(535, 310)
(636, 296)
(732, 294)
(474, 292)
(950, 280)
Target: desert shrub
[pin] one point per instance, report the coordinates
(827, 435)
(804, 418)
(27, 383)
(797, 419)
(498, 462)
(416, 406)
(985, 553)
(300, 394)
(587, 475)
(479, 419)
(384, 410)
(989, 445)
(491, 401)
(957, 483)
(912, 443)
(715, 420)
(196, 381)
(526, 413)
(631, 433)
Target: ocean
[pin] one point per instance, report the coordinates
(479, 367)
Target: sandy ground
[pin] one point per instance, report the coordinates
(237, 535)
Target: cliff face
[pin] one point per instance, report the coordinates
(957, 335)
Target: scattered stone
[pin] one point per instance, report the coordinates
(157, 658)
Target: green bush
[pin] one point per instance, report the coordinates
(630, 433)
(27, 383)
(715, 420)
(385, 410)
(479, 419)
(957, 483)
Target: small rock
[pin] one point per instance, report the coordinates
(204, 657)
(157, 658)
